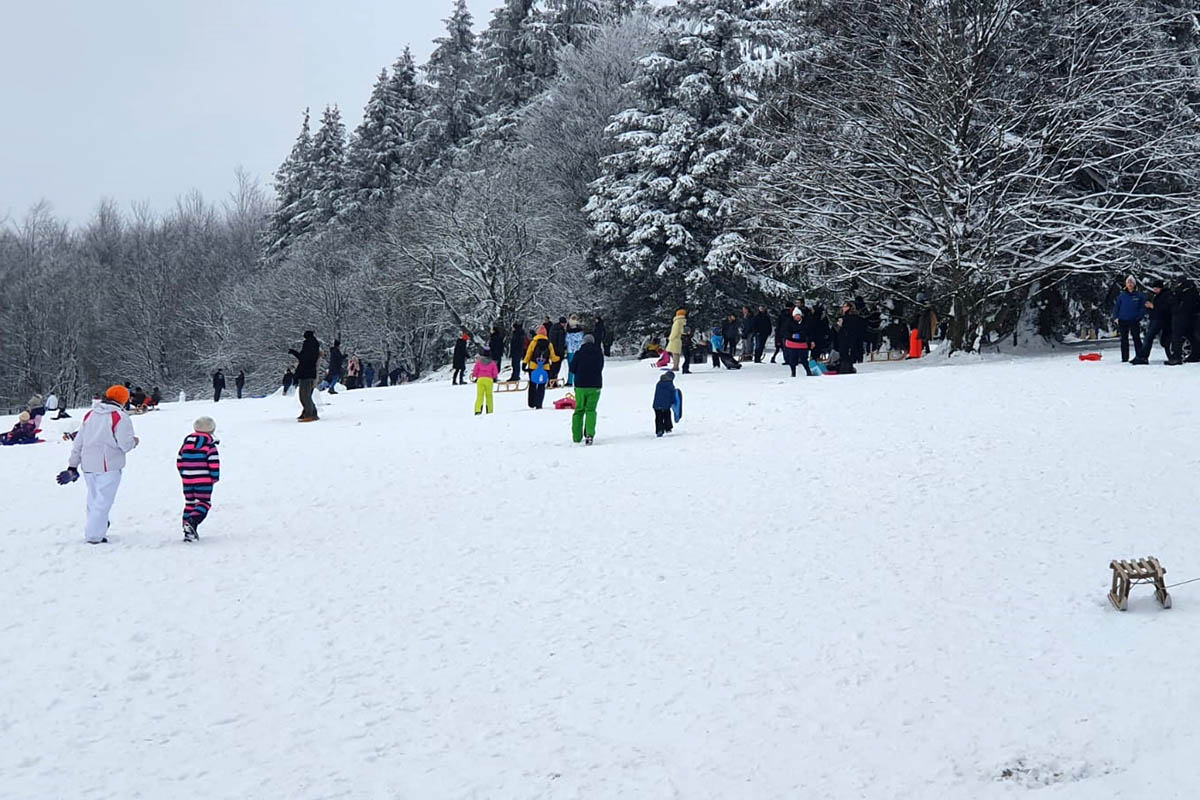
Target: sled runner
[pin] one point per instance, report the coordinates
(730, 362)
(510, 386)
(1127, 574)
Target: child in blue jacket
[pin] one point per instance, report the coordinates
(664, 403)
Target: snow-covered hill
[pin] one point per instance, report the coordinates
(883, 586)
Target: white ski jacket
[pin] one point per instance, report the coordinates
(104, 438)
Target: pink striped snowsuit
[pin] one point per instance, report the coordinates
(200, 468)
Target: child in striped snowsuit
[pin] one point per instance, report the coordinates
(200, 468)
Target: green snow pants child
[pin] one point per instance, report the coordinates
(583, 421)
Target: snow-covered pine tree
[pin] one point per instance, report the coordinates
(292, 181)
(327, 183)
(662, 199)
(380, 157)
(451, 73)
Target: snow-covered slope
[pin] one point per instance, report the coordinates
(883, 586)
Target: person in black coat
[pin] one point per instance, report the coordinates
(850, 339)
(600, 332)
(797, 341)
(288, 379)
(1183, 321)
(762, 333)
(687, 344)
(781, 323)
(732, 331)
(218, 385)
(459, 361)
(516, 349)
(822, 334)
(336, 361)
(240, 382)
(558, 340)
(306, 374)
(588, 368)
(496, 345)
(1160, 304)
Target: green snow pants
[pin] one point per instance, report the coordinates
(583, 421)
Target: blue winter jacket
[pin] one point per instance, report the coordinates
(664, 395)
(1130, 306)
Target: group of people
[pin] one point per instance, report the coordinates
(801, 333)
(218, 384)
(98, 454)
(1172, 314)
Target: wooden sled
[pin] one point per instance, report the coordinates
(510, 386)
(1127, 574)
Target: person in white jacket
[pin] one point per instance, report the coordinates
(104, 438)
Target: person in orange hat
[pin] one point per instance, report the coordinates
(104, 438)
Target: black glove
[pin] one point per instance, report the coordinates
(68, 475)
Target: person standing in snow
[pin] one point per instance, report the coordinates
(458, 361)
(589, 380)
(369, 375)
(540, 352)
(1183, 322)
(337, 360)
(664, 404)
(797, 342)
(199, 466)
(104, 437)
(496, 346)
(240, 382)
(557, 334)
(688, 344)
(218, 382)
(762, 333)
(1128, 310)
(1160, 304)
(485, 373)
(600, 331)
(675, 338)
(572, 341)
(289, 378)
(517, 345)
(306, 375)
(850, 338)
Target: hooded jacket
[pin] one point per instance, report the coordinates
(104, 438)
(675, 340)
(664, 392)
(485, 367)
(551, 355)
(589, 366)
(459, 360)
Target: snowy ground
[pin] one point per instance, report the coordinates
(883, 586)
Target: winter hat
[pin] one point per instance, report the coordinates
(24, 416)
(486, 352)
(205, 425)
(667, 375)
(1158, 283)
(541, 330)
(36, 401)
(118, 394)
(797, 312)
(589, 339)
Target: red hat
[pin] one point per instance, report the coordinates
(542, 330)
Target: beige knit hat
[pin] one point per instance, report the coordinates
(205, 425)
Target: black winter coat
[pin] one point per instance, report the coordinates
(589, 366)
(460, 353)
(798, 330)
(309, 353)
(516, 343)
(762, 325)
(851, 335)
(218, 381)
(781, 323)
(1187, 302)
(240, 380)
(496, 346)
(599, 331)
(558, 338)
(336, 360)
(1164, 303)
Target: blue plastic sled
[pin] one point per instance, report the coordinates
(678, 406)
(539, 377)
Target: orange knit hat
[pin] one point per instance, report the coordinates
(118, 394)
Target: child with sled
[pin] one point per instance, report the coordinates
(199, 467)
(24, 432)
(667, 404)
(485, 373)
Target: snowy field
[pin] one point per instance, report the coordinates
(883, 586)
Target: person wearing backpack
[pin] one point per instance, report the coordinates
(540, 355)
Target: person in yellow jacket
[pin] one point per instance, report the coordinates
(539, 357)
(675, 340)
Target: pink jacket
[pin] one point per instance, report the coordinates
(485, 369)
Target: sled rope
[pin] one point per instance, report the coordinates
(1181, 583)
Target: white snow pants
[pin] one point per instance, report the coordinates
(101, 492)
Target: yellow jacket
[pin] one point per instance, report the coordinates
(675, 340)
(529, 362)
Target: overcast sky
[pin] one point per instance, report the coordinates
(146, 99)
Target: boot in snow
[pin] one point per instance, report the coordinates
(189, 532)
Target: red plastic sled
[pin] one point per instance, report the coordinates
(1089, 356)
(565, 402)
